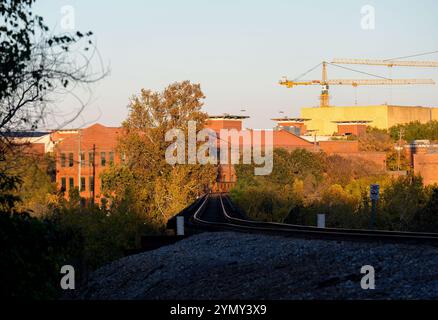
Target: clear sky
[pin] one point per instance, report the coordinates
(239, 49)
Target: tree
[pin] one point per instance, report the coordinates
(304, 184)
(36, 68)
(401, 200)
(32, 253)
(416, 131)
(36, 189)
(426, 218)
(157, 188)
(36, 64)
(376, 140)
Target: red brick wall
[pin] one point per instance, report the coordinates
(34, 149)
(354, 129)
(426, 165)
(217, 125)
(105, 140)
(379, 158)
(339, 146)
(281, 139)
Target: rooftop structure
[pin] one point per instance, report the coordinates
(294, 125)
(326, 120)
(225, 121)
(227, 116)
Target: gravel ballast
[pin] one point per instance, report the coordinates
(228, 265)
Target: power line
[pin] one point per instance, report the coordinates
(307, 72)
(347, 68)
(412, 56)
(358, 71)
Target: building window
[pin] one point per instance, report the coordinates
(71, 183)
(83, 184)
(70, 160)
(63, 160)
(103, 159)
(111, 158)
(82, 159)
(91, 183)
(63, 184)
(90, 158)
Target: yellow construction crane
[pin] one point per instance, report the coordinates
(388, 63)
(326, 83)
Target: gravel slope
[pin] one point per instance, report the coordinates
(229, 265)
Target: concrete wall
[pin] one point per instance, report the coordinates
(381, 116)
(435, 114)
(400, 115)
(322, 118)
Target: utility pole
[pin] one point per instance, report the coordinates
(399, 149)
(94, 174)
(79, 162)
(315, 140)
(374, 195)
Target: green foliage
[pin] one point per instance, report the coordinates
(400, 201)
(269, 202)
(106, 234)
(154, 187)
(8, 186)
(140, 195)
(35, 62)
(31, 181)
(305, 184)
(415, 131)
(426, 219)
(32, 253)
(376, 140)
(288, 167)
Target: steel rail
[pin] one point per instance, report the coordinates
(238, 224)
(331, 230)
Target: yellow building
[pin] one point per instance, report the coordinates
(381, 116)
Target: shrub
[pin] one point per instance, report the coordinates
(32, 253)
(426, 219)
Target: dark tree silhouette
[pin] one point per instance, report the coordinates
(36, 66)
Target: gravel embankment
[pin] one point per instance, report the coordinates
(231, 265)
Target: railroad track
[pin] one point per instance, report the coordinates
(217, 212)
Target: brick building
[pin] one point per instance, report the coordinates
(352, 128)
(423, 159)
(283, 137)
(296, 126)
(82, 155)
(286, 135)
(426, 165)
(34, 142)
